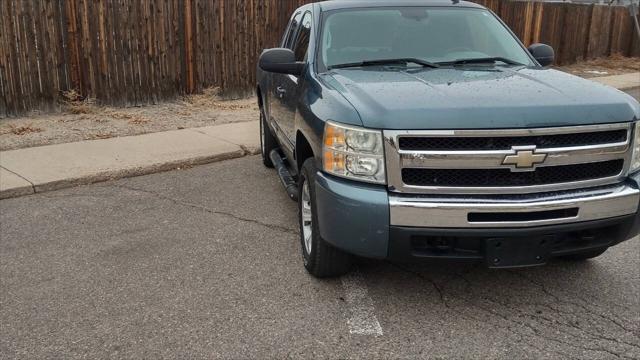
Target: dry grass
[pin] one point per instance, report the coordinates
(617, 61)
(132, 118)
(20, 130)
(210, 97)
(75, 104)
(139, 120)
(83, 119)
(207, 98)
(613, 65)
(100, 136)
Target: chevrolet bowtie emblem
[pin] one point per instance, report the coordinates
(525, 158)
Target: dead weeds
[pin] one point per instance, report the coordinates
(615, 61)
(20, 130)
(100, 136)
(84, 119)
(132, 118)
(210, 97)
(74, 103)
(612, 65)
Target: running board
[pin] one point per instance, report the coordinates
(285, 176)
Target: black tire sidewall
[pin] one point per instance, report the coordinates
(308, 174)
(262, 130)
(268, 142)
(263, 135)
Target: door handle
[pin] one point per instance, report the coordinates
(281, 91)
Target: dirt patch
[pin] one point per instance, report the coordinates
(83, 119)
(614, 65)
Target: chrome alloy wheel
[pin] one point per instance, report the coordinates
(307, 217)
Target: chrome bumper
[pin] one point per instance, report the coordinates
(513, 210)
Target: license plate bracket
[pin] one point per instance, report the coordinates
(518, 252)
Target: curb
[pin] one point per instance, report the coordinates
(52, 167)
(124, 173)
(17, 192)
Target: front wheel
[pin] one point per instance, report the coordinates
(320, 258)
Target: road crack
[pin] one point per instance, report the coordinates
(510, 322)
(427, 279)
(578, 337)
(33, 186)
(209, 210)
(572, 303)
(517, 325)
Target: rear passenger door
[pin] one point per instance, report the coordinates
(287, 86)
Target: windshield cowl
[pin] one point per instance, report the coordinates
(421, 62)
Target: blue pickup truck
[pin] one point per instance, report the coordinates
(425, 131)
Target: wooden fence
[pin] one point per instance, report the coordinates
(576, 31)
(132, 52)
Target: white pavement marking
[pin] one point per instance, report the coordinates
(362, 320)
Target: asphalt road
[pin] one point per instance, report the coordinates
(205, 262)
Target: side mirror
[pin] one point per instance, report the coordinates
(280, 60)
(544, 54)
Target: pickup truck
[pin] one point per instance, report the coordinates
(425, 131)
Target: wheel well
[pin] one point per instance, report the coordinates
(303, 150)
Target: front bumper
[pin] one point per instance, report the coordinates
(366, 220)
(511, 211)
(519, 246)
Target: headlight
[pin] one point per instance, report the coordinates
(635, 159)
(354, 153)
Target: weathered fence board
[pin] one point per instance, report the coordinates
(133, 52)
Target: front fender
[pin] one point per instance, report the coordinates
(317, 104)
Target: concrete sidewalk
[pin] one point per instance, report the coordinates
(39, 169)
(45, 168)
(620, 82)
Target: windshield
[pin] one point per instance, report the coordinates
(436, 35)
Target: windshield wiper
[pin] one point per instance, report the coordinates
(485, 60)
(385, 62)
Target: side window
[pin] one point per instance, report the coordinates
(302, 40)
(291, 31)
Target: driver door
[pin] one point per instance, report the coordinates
(286, 87)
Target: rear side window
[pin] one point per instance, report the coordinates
(302, 41)
(291, 31)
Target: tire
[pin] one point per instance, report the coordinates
(267, 140)
(585, 255)
(320, 259)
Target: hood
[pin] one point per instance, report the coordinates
(478, 98)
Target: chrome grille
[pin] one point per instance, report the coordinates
(418, 143)
(505, 177)
(475, 161)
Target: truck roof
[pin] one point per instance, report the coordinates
(350, 4)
